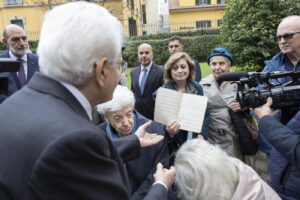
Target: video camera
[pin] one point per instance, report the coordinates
(7, 65)
(283, 95)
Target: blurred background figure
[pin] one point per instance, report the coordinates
(146, 78)
(123, 68)
(176, 45)
(205, 172)
(179, 75)
(121, 121)
(16, 41)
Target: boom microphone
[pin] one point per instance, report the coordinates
(233, 76)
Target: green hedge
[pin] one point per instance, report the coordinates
(198, 46)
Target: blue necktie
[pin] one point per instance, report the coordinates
(21, 73)
(143, 81)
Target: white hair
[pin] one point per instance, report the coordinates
(204, 172)
(73, 37)
(122, 97)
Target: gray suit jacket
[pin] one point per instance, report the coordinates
(49, 149)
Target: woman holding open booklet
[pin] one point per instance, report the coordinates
(179, 75)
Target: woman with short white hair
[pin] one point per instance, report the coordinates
(205, 172)
(122, 120)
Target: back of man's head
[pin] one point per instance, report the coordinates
(73, 37)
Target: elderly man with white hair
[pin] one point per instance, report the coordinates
(49, 148)
(122, 121)
(205, 172)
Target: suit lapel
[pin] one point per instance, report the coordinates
(150, 77)
(136, 76)
(32, 66)
(49, 86)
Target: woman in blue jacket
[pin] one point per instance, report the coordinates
(179, 75)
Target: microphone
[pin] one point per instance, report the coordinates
(233, 76)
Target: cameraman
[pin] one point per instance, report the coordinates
(285, 154)
(288, 59)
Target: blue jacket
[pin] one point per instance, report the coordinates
(278, 63)
(140, 171)
(285, 155)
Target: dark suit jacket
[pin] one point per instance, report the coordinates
(13, 80)
(49, 149)
(144, 103)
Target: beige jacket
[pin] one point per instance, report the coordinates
(221, 130)
(251, 186)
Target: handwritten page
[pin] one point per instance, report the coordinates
(187, 109)
(166, 105)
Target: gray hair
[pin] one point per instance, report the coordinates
(205, 172)
(74, 36)
(122, 97)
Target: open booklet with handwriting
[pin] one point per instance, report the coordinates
(187, 109)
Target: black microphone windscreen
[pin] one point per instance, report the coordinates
(232, 76)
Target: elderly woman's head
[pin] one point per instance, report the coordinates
(179, 67)
(119, 111)
(220, 61)
(204, 171)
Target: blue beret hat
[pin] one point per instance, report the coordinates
(220, 51)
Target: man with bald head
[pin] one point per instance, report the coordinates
(146, 78)
(16, 41)
(282, 174)
(288, 59)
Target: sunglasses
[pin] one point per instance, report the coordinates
(287, 36)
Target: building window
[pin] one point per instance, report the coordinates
(12, 2)
(203, 24)
(221, 1)
(202, 2)
(144, 14)
(132, 4)
(219, 22)
(18, 22)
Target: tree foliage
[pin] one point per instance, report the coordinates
(249, 27)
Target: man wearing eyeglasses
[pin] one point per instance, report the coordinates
(288, 59)
(282, 170)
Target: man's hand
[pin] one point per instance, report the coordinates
(265, 109)
(173, 128)
(167, 176)
(147, 139)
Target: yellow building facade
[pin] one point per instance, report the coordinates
(29, 14)
(192, 14)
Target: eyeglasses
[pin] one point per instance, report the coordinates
(287, 36)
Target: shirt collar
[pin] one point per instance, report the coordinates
(147, 67)
(80, 97)
(24, 58)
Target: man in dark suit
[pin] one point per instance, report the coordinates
(146, 79)
(49, 148)
(176, 45)
(16, 41)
